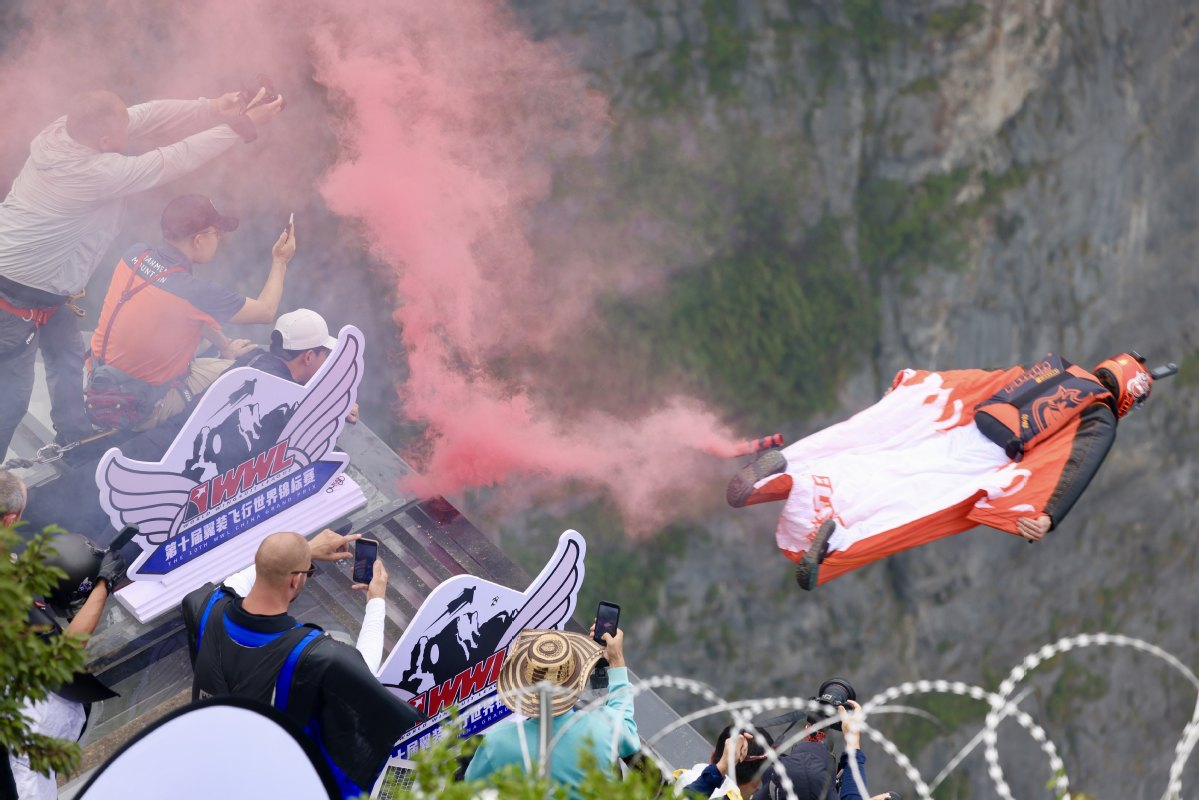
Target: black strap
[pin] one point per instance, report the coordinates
(125, 297)
(1032, 389)
(29, 295)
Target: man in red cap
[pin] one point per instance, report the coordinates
(156, 311)
(941, 453)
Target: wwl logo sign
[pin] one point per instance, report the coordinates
(256, 447)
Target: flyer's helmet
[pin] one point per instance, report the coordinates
(75, 556)
(1127, 379)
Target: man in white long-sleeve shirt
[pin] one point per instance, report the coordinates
(64, 210)
(243, 643)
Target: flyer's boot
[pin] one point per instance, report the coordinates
(807, 571)
(741, 487)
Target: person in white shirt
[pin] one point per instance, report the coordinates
(63, 211)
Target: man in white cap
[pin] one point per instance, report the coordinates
(300, 344)
(565, 660)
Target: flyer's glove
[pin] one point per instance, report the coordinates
(112, 569)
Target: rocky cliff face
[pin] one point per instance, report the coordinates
(1010, 177)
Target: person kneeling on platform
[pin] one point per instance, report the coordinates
(142, 366)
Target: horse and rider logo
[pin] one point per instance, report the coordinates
(254, 446)
(452, 650)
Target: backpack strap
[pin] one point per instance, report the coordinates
(283, 682)
(212, 600)
(128, 293)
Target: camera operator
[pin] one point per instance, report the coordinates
(735, 769)
(90, 577)
(814, 773)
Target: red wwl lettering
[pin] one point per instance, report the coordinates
(461, 686)
(250, 472)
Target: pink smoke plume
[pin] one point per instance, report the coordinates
(435, 129)
(453, 119)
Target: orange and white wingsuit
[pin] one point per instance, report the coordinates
(940, 453)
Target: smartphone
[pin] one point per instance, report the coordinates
(607, 615)
(365, 553)
(124, 537)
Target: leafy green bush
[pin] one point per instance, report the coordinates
(31, 666)
(871, 28)
(904, 229)
(770, 329)
(727, 49)
(950, 22)
(433, 777)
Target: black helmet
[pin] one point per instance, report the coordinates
(74, 555)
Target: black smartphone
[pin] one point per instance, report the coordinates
(607, 615)
(365, 553)
(124, 537)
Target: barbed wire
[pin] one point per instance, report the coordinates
(1000, 704)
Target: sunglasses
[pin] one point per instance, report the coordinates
(308, 572)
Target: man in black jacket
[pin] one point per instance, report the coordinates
(251, 647)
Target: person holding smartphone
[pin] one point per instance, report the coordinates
(157, 310)
(814, 773)
(599, 735)
(243, 643)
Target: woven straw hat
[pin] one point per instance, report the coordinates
(564, 659)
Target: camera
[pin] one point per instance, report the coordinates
(834, 693)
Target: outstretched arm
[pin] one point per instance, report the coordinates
(170, 120)
(1092, 441)
(127, 175)
(370, 638)
(264, 307)
(85, 622)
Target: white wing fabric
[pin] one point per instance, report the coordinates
(313, 427)
(147, 497)
(551, 600)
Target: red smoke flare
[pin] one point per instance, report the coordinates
(435, 128)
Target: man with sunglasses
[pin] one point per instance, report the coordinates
(300, 345)
(142, 366)
(243, 643)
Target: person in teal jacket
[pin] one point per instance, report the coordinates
(565, 660)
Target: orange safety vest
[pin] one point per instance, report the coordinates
(1037, 404)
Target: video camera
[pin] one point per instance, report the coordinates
(833, 693)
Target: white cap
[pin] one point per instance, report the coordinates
(304, 329)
